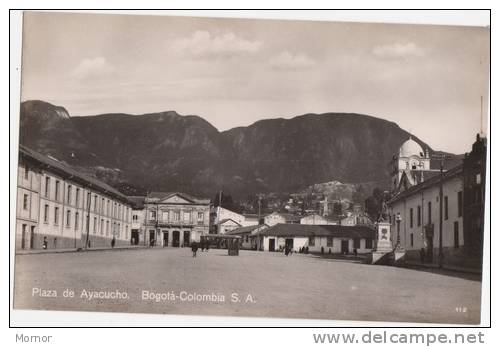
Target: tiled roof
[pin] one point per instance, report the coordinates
(67, 171)
(247, 229)
(306, 230)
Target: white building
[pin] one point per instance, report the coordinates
(415, 217)
(316, 219)
(221, 214)
(317, 238)
(59, 207)
(281, 218)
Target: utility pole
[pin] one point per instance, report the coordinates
(218, 211)
(440, 260)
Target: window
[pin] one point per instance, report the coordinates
(134, 217)
(56, 215)
(419, 216)
(187, 216)
(356, 243)
(177, 216)
(119, 231)
(46, 213)
(77, 215)
(455, 235)
(411, 239)
(102, 226)
(460, 203)
(103, 203)
(77, 197)
(445, 208)
(200, 216)
(47, 186)
(153, 214)
(478, 178)
(108, 210)
(94, 226)
(95, 203)
(411, 217)
(107, 228)
(429, 212)
(26, 173)
(329, 241)
(58, 184)
(25, 202)
(368, 243)
(68, 216)
(311, 241)
(69, 195)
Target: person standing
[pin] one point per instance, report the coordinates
(194, 248)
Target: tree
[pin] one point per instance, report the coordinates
(226, 201)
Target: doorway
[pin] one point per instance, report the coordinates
(151, 238)
(165, 238)
(175, 238)
(134, 237)
(32, 237)
(289, 244)
(429, 249)
(187, 238)
(344, 246)
(271, 245)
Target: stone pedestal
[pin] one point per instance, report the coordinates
(383, 245)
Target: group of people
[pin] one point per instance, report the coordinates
(204, 246)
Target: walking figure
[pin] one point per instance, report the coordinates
(194, 248)
(113, 242)
(44, 245)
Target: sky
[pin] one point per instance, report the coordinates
(234, 72)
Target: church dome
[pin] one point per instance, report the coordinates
(411, 148)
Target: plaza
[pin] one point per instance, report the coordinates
(253, 284)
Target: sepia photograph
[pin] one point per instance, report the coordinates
(239, 167)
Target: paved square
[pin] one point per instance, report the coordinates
(260, 284)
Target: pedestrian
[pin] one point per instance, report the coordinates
(44, 244)
(55, 242)
(286, 251)
(194, 248)
(355, 251)
(113, 242)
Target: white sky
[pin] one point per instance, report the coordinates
(233, 72)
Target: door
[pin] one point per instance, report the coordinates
(151, 237)
(271, 245)
(187, 238)
(429, 250)
(23, 237)
(344, 246)
(175, 238)
(289, 244)
(134, 237)
(165, 238)
(32, 237)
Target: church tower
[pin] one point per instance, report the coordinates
(411, 161)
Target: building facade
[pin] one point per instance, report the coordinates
(174, 219)
(58, 207)
(440, 219)
(317, 238)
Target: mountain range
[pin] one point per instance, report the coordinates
(170, 152)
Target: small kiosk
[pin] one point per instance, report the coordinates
(232, 242)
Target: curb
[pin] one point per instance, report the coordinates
(74, 250)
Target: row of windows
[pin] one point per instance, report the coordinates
(329, 242)
(176, 215)
(456, 237)
(429, 210)
(116, 227)
(105, 207)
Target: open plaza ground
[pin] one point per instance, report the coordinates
(263, 284)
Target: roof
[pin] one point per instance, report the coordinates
(306, 230)
(434, 180)
(287, 216)
(67, 171)
(165, 195)
(247, 229)
(227, 220)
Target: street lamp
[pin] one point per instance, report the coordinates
(398, 221)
